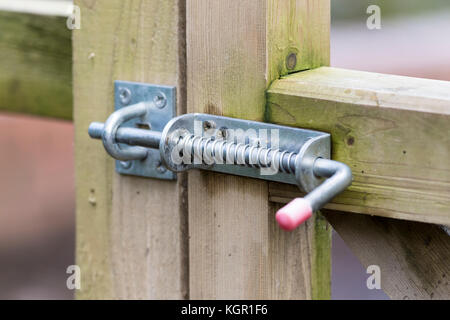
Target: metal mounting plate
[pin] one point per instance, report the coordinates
(161, 111)
(289, 139)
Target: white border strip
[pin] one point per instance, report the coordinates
(41, 7)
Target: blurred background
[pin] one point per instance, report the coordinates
(37, 211)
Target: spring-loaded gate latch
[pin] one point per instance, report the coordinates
(146, 139)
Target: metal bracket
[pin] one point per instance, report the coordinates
(146, 140)
(310, 144)
(161, 109)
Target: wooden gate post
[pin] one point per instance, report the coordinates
(235, 49)
(393, 141)
(130, 231)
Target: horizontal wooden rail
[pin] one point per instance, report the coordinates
(394, 133)
(36, 65)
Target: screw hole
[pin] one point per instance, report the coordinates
(208, 125)
(125, 96)
(223, 132)
(160, 100)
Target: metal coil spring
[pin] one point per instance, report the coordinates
(210, 151)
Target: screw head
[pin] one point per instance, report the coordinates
(208, 125)
(125, 164)
(125, 96)
(160, 100)
(160, 168)
(222, 133)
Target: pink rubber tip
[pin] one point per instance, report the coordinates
(294, 214)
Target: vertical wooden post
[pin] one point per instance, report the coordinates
(130, 231)
(235, 49)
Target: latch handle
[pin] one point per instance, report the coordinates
(300, 209)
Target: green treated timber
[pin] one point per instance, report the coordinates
(36, 65)
(392, 131)
(235, 50)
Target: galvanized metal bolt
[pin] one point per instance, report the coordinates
(160, 100)
(125, 164)
(125, 96)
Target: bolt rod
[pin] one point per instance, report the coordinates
(130, 136)
(339, 175)
(151, 139)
